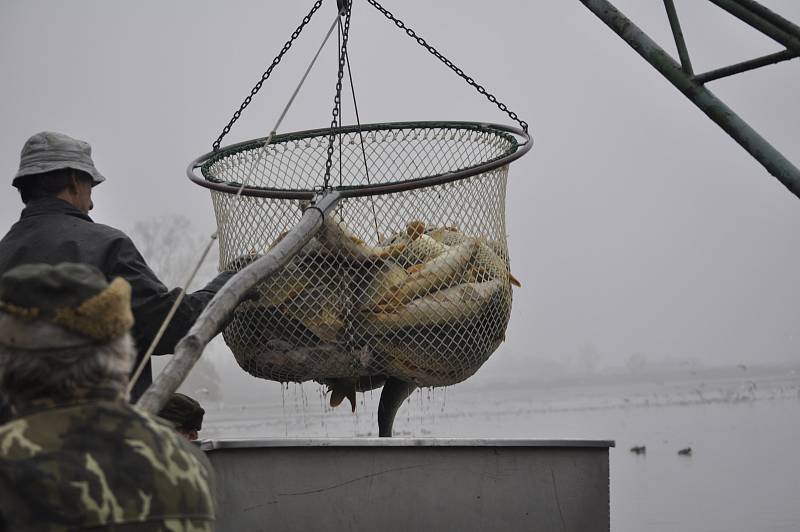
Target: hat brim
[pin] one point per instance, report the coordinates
(49, 166)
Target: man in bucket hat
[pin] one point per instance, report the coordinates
(55, 180)
(78, 455)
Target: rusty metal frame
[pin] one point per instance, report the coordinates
(692, 85)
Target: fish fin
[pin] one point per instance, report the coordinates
(415, 229)
(392, 251)
(384, 308)
(337, 396)
(411, 270)
(514, 280)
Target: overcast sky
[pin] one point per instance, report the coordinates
(636, 225)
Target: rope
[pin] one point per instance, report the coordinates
(169, 316)
(274, 130)
(361, 138)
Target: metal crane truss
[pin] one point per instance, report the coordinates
(692, 85)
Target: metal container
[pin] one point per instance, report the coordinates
(411, 484)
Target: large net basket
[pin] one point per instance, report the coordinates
(408, 276)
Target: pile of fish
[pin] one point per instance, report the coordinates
(428, 305)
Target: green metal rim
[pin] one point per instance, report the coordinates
(511, 134)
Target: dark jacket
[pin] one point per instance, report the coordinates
(51, 231)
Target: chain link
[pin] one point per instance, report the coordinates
(268, 72)
(422, 42)
(337, 100)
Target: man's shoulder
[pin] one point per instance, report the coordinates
(45, 221)
(104, 447)
(123, 429)
(60, 426)
(110, 231)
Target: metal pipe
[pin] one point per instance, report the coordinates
(771, 16)
(215, 315)
(738, 129)
(675, 24)
(744, 66)
(765, 26)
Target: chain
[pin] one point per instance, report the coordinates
(337, 100)
(422, 42)
(266, 74)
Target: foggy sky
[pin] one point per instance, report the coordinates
(636, 225)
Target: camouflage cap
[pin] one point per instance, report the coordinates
(46, 307)
(48, 151)
(183, 412)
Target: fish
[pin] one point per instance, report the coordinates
(456, 303)
(320, 309)
(442, 272)
(339, 239)
(346, 388)
(283, 285)
(489, 261)
(448, 235)
(377, 283)
(438, 365)
(394, 393)
(284, 361)
(420, 250)
(490, 255)
(412, 230)
(301, 273)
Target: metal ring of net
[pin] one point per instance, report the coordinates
(408, 277)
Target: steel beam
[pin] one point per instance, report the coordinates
(771, 16)
(677, 32)
(713, 107)
(765, 25)
(744, 66)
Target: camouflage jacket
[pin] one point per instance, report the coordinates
(101, 465)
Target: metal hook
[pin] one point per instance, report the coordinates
(344, 5)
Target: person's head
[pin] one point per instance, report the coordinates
(56, 165)
(64, 334)
(185, 414)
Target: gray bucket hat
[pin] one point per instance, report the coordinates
(48, 151)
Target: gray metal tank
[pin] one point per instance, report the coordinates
(411, 484)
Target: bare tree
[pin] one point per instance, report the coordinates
(172, 246)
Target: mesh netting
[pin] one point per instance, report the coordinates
(412, 284)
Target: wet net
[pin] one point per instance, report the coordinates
(408, 276)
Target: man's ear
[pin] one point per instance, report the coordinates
(72, 184)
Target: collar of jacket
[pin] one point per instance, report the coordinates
(53, 206)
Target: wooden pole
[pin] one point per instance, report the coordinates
(211, 320)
